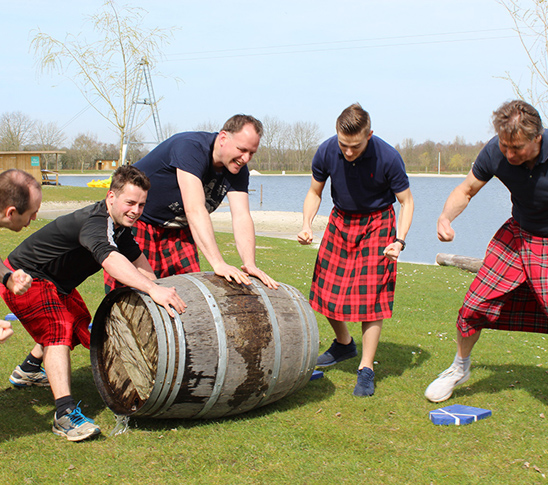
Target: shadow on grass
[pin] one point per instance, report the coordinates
(528, 378)
(393, 360)
(19, 409)
(315, 391)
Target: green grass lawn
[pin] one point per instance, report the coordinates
(322, 434)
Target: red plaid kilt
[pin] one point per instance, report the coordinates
(510, 291)
(169, 251)
(353, 280)
(50, 317)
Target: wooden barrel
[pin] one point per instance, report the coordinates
(234, 349)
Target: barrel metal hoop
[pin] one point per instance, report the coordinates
(221, 340)
(180, 368)
(297, 300)
(167, 393)
(277, 342)
(162, 354)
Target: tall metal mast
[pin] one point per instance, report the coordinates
(143, 72)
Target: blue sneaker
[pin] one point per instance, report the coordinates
(365, 386)
(337, 353)
(75, 426)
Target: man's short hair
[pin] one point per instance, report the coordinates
(128, 174)
(237, 123)
(353, 121)
(15, 189)
(515, 117)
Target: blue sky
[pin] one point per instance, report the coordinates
(423, 69)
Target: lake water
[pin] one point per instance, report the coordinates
(474, 227)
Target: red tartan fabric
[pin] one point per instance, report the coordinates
(169, 251)
(51, 318)
(353, 280)
(510, 291)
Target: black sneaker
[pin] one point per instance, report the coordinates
(337, 353)
(365, 385)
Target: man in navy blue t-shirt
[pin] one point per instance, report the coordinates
(355, 273)
(190, 174)
(510, 291)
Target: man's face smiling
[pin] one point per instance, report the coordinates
(126, 206)
(237, 149)
(352, 146)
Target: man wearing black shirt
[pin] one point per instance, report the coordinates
(62, 255)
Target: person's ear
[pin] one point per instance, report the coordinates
(10, 211)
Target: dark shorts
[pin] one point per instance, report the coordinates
(510, 291)
(50, 317)
(169, 251)
(353, 280)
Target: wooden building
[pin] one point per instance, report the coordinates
(106, 164)
(31, 162)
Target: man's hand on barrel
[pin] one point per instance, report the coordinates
(258, 273)
(167, 297)
(231, 273)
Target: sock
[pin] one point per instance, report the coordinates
(31, 364)
(65, 405)
(462, 362)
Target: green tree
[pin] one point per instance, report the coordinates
(104, 69)
(457, 162)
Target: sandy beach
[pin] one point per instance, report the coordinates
(284, 225)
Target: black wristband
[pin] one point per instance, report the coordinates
(402, 242)
(6, 278)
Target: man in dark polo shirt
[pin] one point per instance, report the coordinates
(510, 291)
(190, 175)
(355, 273)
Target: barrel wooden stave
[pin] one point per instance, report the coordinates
(260, 365)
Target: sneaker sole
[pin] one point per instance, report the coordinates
(447, 396)
(340, 359)
(27, 383)
(59, 432)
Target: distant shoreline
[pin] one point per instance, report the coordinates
(107, 175)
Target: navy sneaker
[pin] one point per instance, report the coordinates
(365, 385)
(337, 353)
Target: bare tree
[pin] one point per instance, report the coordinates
(104, 69)
(16, 131)
(305, 137)
(273, 142)
(169, 129)
(209, 125)
(530, 19)
(48, 137)
(86, 149)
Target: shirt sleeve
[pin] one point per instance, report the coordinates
(189, 156)
(399, 181)
(482, 168)
(319, 170)
(97, 236)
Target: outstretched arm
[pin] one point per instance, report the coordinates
(244, 236)
(311, 205)
(457, 201)
(121, 269)
(407, 206)
(199, 221)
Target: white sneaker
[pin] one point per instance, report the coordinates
(442, 388)
(75, 426)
